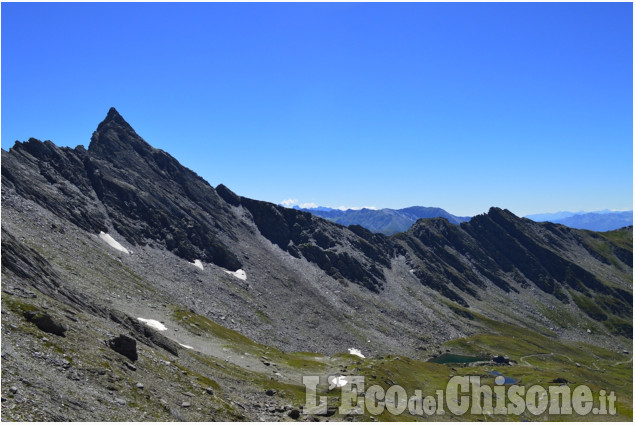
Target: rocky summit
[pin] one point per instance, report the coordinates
(134, 290)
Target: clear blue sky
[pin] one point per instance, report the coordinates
(462, 106)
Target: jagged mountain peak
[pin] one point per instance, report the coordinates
(125, 184)
(114, 135)
(113, 119)
(114, 115)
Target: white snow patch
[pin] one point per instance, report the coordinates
(198, 263)
(240, 274)
(185, 346)
(356, 352)
(337, 381)
(155, 324)
(113, 243)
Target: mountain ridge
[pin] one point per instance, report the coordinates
(307, 284)
(143, 211)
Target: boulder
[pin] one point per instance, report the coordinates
(45, 322)
(125, 346)
(145, 332)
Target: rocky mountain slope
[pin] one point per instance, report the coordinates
(245, 297)
(387, 221)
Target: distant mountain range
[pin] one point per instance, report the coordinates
(387, 221)
(390, 221)
(599, 221)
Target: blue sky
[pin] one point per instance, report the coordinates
(462, 106)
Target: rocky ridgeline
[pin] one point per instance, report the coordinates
(147, 196)
(123, 182)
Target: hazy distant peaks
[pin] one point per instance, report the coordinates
(599, 221)
(294, 203)
(385, 220)
(565, 214)
(389, 221)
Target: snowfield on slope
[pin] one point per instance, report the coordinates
(198, 263)
(356, 352)
(240, 274)
(112, 242)
(154, 324)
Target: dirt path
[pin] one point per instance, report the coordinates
(522, 359)
(627, 361)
